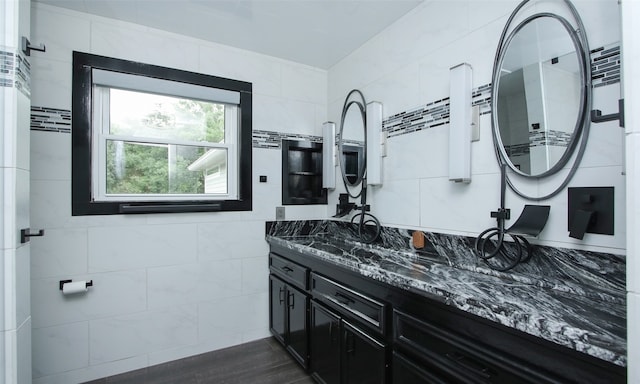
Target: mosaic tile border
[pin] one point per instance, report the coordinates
(15, 71)
(273, 140)
(59, 120)
(605, 67)
(50, 119)
(539, 139)
(552, 138)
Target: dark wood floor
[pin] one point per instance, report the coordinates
(263, 361)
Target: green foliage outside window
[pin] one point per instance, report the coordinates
(139, 168)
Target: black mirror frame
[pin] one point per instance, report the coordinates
(581, 131)
(362, 166)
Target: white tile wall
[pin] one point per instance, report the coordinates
(15, 325)
(62, 348)
(62, 252)
(3, 348)
(193, 283)
(121, 248)
(113, 293)
(169, 286)
(244, 239)
(2, 222)
(157, 278)
(53, 154)
(418, 51)
(631, 52)
(235, 315)
(136, 334)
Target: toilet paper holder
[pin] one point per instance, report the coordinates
(63, 282)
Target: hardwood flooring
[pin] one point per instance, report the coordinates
(263, 361)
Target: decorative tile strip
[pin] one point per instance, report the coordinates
(50, 119)
(7, 67)
(549, 138)
(605, 68)
(273, 140)
(431, 115)
(23, 75)
(605, 65)
(15, 71)
(517, 149)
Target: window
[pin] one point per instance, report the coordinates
(152, 139)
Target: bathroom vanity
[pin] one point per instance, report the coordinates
(389, 313)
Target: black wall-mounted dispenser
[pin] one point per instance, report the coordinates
(590, 210)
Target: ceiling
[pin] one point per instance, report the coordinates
(314, 32)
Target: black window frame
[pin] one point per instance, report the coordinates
(81, 139)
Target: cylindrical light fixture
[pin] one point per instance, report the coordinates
(329, 155)
(375, 143)
(460, 122)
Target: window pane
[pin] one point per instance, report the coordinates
(165, 117)
(141, 168)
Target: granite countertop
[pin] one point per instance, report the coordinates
(573, 298)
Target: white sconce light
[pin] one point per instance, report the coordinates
(329, 155)
(376, 143)
(461, 123)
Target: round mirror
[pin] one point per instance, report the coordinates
(540, 97)
(351, 141)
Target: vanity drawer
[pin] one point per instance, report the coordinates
(288, 270)
(343, 299)
(447, 354)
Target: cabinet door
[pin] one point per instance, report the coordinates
(298, 343)
(364, 357)
(325, 345)
(277, 300)
(405, 371)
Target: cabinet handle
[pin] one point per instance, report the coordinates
(287, 269)
(470, 364)
(281, 295)
(292, 303)
(342, 299)
(351, 343)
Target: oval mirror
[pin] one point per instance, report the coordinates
(539, 98)
(351, 142)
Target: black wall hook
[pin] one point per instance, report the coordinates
(26, 233)
(27, 47)
(598, 117)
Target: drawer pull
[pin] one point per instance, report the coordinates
(470, 364)
(343, 299)
(287, 269)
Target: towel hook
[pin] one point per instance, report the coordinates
(27, 47)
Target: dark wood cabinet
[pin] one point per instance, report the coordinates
(277, 300)
(406, 371)
(364, 331)
(325, 344)
(364, 357)
(289, 307)
(346, 330)
(343, 353)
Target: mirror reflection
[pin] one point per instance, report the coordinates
(539, 96)
(351, 143)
